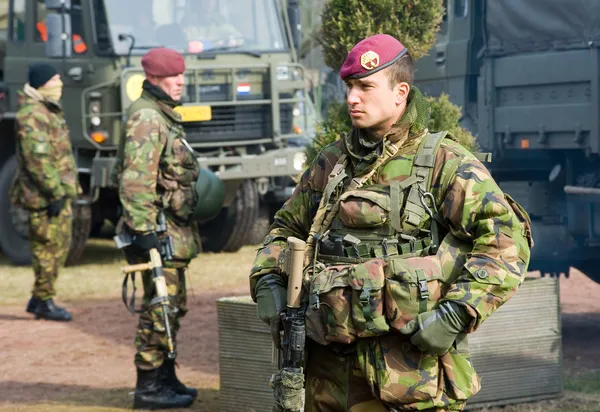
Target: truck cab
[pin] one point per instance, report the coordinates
(243, 84)
(526, 75)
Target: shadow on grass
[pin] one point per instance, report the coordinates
(75, 397)
(100, 251)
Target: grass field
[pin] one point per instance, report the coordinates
(30, 381)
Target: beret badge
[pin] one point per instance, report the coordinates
(369, 60)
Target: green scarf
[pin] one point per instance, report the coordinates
(409, 129)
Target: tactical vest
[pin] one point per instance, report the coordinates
(372, 263)
(178, 168)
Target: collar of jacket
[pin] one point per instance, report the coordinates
(408, 130)
(29, 95)
(165, 103)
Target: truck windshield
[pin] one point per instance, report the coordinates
(188, 26)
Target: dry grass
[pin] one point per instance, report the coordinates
(98, 275)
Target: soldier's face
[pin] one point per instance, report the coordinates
(373, 104)
(171, 85)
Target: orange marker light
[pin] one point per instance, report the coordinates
(524, 143)
(99, 137)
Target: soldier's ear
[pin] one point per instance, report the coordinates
(402, 90)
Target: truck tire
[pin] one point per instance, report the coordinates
(261, 225)
(14, 236)
(228, 232)
(82, 223)
(14, 226)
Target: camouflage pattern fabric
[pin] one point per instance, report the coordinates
(288, 388)
(46, 166)
(157, 171)
(473, 209)
(49, 240)
(151, 335)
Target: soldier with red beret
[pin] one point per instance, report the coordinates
(156, 174)
(410, 246)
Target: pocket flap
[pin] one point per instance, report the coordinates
(368, 275)
(332, 277)
(405, 269)
(380, 199)
(485, 270)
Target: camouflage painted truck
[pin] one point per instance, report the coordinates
(242, 88)
(527, 74)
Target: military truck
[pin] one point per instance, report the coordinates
(242, 84)
(527, 74)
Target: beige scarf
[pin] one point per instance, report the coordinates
(51, 94)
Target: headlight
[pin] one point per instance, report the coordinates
(299, 161)
(95, 120)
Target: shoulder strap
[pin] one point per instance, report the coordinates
(419, 195)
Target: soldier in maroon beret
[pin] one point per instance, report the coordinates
(155, 171)
(405, 231)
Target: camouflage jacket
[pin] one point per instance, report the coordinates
(157, 171)
(46, 166)
(470, 202)
(473, 209)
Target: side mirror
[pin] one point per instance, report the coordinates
(295, 16)
(59, 35)
(58, 4)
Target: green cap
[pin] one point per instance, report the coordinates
(211, 194)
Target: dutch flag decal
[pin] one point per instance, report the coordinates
(243, 88)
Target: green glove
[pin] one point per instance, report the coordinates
(271, 299)
(435, 331)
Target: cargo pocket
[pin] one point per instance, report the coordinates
(329, 317)
(362, 209)
(412, 286)
(460, 379)
(398, 372)
(367, 281)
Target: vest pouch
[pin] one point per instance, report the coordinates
(364, 208)
(329, 316)
(399, 373)
(367, 281)
(412, 286)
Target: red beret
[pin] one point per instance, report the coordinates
(163, 62)
(371, 55)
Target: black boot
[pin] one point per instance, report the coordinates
(32, 305)
(169, 379)
(151, 394)
(48, 310)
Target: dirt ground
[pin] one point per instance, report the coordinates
(88, 362)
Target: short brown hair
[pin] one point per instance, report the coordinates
(403, 71)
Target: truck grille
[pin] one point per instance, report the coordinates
(232, 123)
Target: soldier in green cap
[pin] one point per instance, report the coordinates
(46, 184)
(157, 173)
(411, 245)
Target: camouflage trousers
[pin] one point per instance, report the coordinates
(336, 383)
(151, 335)
(49, 240)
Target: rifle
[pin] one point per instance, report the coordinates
(288, 383)
(160, 285)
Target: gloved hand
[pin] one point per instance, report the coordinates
(271, 299)
(53, 209)
(435, 331)
(143, 243)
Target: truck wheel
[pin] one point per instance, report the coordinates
(82, 222)
(13, 220)
(261, 225)
(228, 231)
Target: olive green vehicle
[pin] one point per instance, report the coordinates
(241, 93)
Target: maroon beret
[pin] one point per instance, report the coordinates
(371, 55)
(163, 62)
